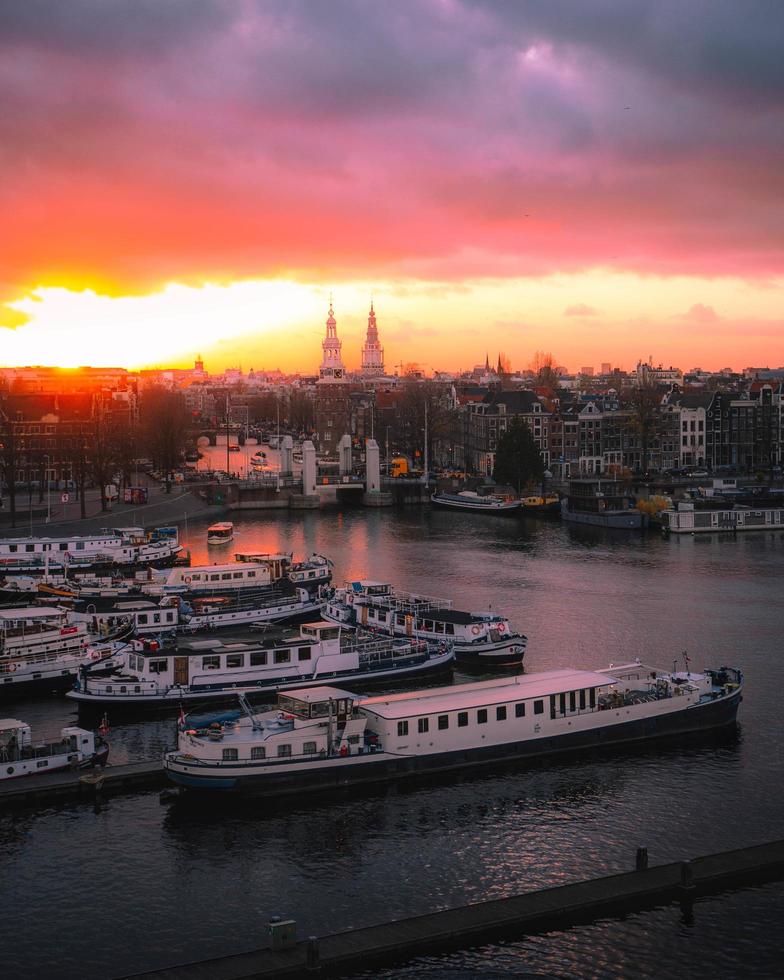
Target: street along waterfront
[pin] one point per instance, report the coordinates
(584, 598)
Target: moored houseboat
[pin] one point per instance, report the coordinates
(40, 649)
(118, 547)
(214, 668)
(327, 738)
(77, 747)
(481, 640)
(687, 519)
(601, 502)
(470, 500)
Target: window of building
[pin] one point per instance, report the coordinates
(500, 713)
(230, 755)
(235, 660)
(481, 716)
(520, 710)
(258, 752)
(402, 728)
(282, 656)
(538, 707)
(309, 748)
(284, 751)
(423, 725)
(443, 722)
(258, 658)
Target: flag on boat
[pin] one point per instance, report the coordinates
(181, 719)
(103, 728)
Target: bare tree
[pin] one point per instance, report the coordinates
(9, 460)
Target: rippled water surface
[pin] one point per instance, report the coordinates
(138, 885)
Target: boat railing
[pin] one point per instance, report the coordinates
(44, 751)
(407, 602)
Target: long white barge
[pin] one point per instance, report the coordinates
(327, 738)
(210, 669)
(687, 520)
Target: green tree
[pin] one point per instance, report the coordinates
(517, 457)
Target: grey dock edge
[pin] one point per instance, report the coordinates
(551, 908)
(66, 786)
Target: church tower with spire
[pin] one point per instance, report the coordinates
(372, 352)
(331, 362)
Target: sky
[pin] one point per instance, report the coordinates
(601, 179)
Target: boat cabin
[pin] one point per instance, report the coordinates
(106, 616)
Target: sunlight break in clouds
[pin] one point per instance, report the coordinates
(71, 329)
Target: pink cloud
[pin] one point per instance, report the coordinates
(580, 309)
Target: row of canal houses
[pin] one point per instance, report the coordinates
(593, 433)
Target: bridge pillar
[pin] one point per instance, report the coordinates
(286, 456)
(308, 468)
(344, 454)
(372, 467)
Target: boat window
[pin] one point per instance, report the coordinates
(156, 617)
(572, 701)
(402, 728)
(210, 663)
(330, 634)
(158, 666)
(237, 574)
(225, 575)
(141, 619)
(428, 625)
(284, 751)
(481, 716)
(63, 545)
(169, 616)
(400, 619)
(109, 688)
(592, 693)
(538, 707)
(450, 629)
(500, 713)
(235, 660)
(251, 575)
(462, 719)
(443, 722)
(582, 700)
(12, 549)
(258, 658)
(214, 578)
(282, 656)
(29, 547)
(230, 755)
(196, 578)
(520, 709)
(562, 703)
(258, 752)
(423, 725)
(308, 748)
(439, 627)
(303, 653)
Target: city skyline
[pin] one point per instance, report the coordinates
(523, 177)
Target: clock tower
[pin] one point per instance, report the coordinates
(331, 362)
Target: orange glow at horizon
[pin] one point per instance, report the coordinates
(583, 319)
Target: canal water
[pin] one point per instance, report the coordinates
(136, 884)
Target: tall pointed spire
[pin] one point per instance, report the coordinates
(487, 361)
(372, 352)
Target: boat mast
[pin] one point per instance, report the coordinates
(227, 434)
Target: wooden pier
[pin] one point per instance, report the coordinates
(83, 785)
(549, 909)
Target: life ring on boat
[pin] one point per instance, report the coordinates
(476, 630)
(187, 580)
(95, 655)
(11, 668)
(501, 627)
(10, 770)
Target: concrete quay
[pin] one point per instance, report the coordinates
(549, 909)
(85, 785)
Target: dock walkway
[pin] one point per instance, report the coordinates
(68, 786)
(551, 908)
